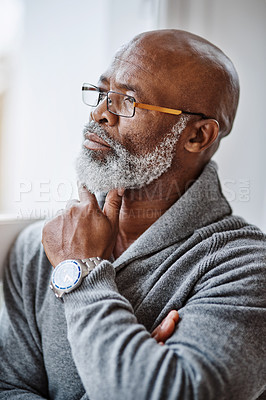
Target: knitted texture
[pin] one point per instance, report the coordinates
(196, 258)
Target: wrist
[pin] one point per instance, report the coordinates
(98, 285)
(68, 274)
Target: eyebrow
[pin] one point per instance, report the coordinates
(132, 88)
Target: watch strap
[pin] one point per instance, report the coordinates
(90, 264)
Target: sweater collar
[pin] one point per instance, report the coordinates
(202, 204)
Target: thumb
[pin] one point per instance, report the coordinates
(112, 206)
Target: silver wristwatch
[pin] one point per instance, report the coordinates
(69, 274)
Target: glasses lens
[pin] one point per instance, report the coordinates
(90, 95)
(120, 104)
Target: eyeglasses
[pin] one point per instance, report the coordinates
(121, 104)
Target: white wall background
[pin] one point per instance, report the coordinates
(64, 43)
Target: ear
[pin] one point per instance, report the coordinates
(202, 135)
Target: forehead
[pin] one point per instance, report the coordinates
(135, 71)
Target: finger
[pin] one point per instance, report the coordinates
(173, 315)
(165, 330)
(167, 327)
(71, 203)
(157, 333)
(121, 191)
(112, 206)
(85, 195)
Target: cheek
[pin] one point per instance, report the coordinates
(142, 135)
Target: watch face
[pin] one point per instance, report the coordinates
(66, 275)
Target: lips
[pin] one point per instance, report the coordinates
(94, 142)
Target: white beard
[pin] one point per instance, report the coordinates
(120, 168)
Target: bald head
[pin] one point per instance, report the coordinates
(197, 75)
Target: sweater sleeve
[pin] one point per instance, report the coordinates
(206, 358)
(22, 372)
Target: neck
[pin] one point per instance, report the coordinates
(141, 208)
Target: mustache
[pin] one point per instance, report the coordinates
(94, 127)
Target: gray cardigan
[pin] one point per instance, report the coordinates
(197, 258)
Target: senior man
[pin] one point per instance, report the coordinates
(164, 239)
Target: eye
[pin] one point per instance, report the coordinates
(129, 99)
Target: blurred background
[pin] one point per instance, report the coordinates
(49, 48)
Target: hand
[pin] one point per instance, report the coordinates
(166, 327)
(83, 230)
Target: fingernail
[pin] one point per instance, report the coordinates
(165, 324)
(173, 314)
(120, 191)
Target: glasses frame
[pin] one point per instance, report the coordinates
(139, 105)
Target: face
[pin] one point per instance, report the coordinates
(128, 152)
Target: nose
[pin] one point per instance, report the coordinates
(101, 115)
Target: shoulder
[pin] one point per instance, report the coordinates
(234, 232)
(29, 240)
(229, 239)
(28, 271)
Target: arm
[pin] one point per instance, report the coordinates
(22, 372)
(117, 358)
(212, 355)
